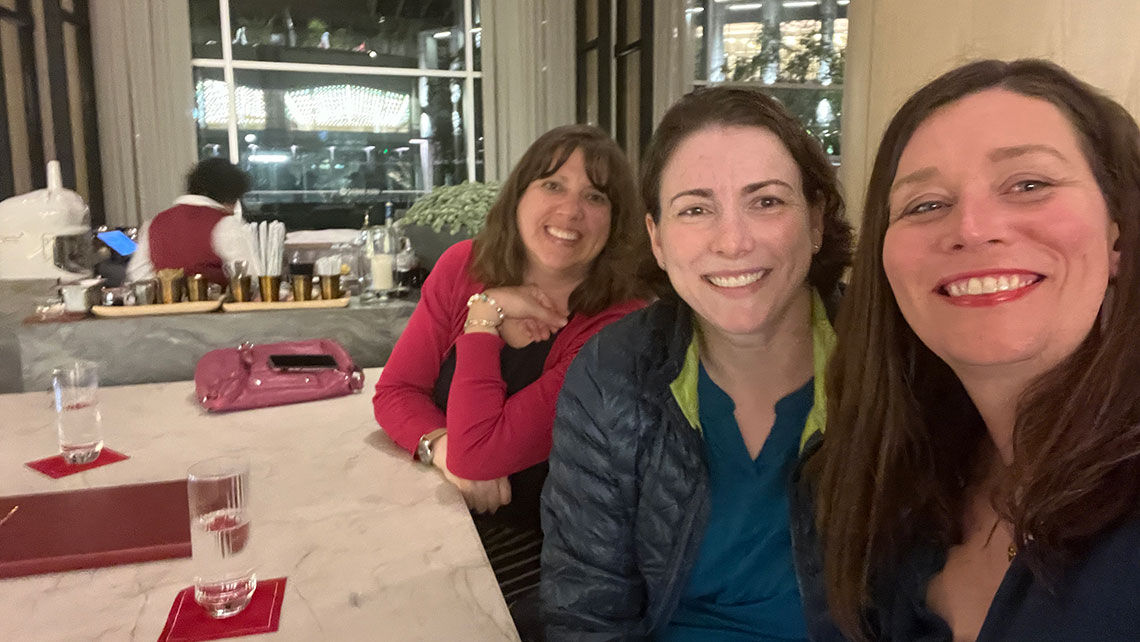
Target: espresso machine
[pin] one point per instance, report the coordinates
(46, 234)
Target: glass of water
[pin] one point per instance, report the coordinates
(79, 425)
(224, 579)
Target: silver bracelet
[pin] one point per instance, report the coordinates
(482, 297)
(482, 323)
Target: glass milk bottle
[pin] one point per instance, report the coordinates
(381, 251)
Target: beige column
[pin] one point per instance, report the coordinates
(896, 46)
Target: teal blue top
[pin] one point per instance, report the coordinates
(743, 585)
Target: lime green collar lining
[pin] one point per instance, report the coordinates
(684, 387)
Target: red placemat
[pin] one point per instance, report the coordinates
(56, 467)
(189, 622)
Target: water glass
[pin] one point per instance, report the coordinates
(79, 425)
(220, 525)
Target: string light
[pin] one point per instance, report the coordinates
(349, 107)
(331, 107)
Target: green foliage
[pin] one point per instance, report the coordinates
(462, 206)
(800, 64)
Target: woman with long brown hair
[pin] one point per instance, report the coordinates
(471, 384)
(980, 477)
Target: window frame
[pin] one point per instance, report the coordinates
(696, 14)
(228, 64)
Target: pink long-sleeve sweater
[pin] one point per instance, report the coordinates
(489, 435)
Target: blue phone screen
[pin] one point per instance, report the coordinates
(119, 242)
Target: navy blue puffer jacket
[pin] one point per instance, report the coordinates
(627, 498)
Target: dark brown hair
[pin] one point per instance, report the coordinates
(750, 107)
(499, 254)
(902, 433)
(217, 179)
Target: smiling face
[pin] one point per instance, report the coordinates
(1000, 246)
(735, 234)
(564, 222)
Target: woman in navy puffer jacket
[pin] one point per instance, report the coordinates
(666, 510)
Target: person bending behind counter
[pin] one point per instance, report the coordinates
(199, 233)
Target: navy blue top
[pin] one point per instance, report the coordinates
(743, 585)
(1097, 597)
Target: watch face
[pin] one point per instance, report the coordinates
(423, 451)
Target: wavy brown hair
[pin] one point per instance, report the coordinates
(903, 436)
(499, 254)
(750, 107)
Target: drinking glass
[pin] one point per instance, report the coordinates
(79, 425)
(224, 578)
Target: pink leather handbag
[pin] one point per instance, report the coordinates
(241, 378)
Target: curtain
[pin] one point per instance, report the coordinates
(145, 98)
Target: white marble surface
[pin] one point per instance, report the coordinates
(374, 546)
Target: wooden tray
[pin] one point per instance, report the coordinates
(262, 306)
(186, 307)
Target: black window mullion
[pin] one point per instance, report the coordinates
(645, 103)
(605, 64)
(581, 77)
(84, 56)
(619, 51)
(58, 91)
(31, 95)
(7, 180)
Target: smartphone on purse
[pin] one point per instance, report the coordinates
(302, 362)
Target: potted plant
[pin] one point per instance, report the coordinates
(456, 207)
(451, 213)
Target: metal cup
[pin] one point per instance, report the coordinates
(196, 287)
(302, 287)
(145, 292)
(270, 288)
(170, 290)
(330, 286)
(240, 287)
(76, 297)
(117, 296)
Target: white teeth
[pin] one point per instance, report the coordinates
(988, 285)
(565, 235)
(738, 281)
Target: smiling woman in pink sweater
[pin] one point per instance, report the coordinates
(472, 383)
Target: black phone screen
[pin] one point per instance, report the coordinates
(302, 361)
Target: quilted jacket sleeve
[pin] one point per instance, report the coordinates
(591, 588)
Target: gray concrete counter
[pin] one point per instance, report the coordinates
(165, 348)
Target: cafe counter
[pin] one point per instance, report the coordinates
(149, 349)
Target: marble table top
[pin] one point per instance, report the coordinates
(374, 546)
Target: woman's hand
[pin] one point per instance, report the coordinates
(521, 332)
(523, 302)
(481, 496)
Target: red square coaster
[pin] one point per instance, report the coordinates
(56, 467)
(188, 622)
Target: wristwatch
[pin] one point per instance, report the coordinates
(423, 449)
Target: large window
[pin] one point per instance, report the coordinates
(793, 48)
(339, 104)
